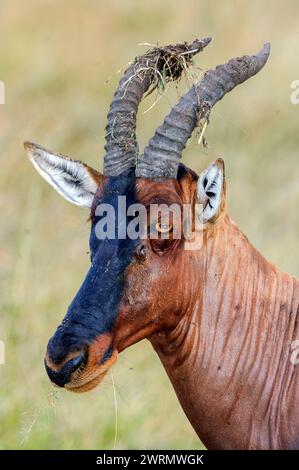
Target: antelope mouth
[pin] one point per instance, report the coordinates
(89, 377)
(84, 370)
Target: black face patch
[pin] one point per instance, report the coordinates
(94, 309)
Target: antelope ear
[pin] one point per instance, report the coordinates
(211, 191)
(74, 180)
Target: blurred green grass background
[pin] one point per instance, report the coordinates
(59, 62)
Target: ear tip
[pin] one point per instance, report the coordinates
(220, 163)
(29, 146)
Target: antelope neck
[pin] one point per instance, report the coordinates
(228, 357)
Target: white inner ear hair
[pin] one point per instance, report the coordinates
(209, 191)
(69, 177)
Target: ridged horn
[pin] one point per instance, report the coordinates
(147, 71)
(161, 157)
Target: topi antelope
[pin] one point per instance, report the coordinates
(221, 318)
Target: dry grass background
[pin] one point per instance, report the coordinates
(55, 60)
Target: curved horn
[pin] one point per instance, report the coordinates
(161, 156)
(166, 63)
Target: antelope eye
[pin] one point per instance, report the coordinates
(163, 228)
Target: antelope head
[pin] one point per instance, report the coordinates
(139, 286)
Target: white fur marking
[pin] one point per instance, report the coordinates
(70, 178)
(209, 190)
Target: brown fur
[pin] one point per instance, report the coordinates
(222, 320)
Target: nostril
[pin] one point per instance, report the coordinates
(76, 362)
(63, 376)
